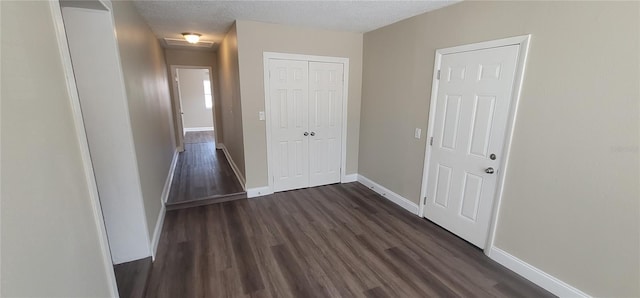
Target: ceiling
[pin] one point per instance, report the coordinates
(213, 18)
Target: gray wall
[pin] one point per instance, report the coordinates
(570, 205)
(49, 236)
(231, 109)
(254, 38)
(143, 65)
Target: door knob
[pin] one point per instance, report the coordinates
(306, 133)
(313, 133)
(489, 170)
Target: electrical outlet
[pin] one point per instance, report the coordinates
(261, 115)
(418, 133)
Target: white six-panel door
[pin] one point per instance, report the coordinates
(306, 122)
(289, 99)
(325, 122)
(472, 109)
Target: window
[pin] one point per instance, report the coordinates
(208, 100)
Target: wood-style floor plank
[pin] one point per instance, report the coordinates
(339, 240)
(132, 277)
(203, 175)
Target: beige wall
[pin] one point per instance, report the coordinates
(49, 243)
(198, 58)
(192, 96)
(571, 204)
(231, 110)
(145, 75)
(255, 38)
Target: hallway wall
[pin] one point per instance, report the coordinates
(231, 107)
(145, 74)
(49, 234)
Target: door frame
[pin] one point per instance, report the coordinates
(267, 106)
(523, 42)
(179, 129)
(83, 143)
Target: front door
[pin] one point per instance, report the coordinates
(472, 108)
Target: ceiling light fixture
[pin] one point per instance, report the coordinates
(191, 37)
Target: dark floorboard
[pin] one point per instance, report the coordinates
(193, 137)
(202, 172)
(339, 240)
(132, 277)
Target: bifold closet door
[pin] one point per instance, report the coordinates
(289, 99)
(325, 122)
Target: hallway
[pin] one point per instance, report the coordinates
(203, 174)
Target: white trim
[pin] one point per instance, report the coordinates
(157, 232)
(206, 128)
(180, 130)
(259, 192)
(345, 62)
(535, 275)
(169, 180)
(389, 195)
(234, 167)
(523, 42)
(83, 143)
(349, 178)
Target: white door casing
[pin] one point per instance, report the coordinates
(325, 122)
(472, 109)
(289, 93)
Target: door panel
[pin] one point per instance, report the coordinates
(325, 122)
(471, 111)
(289, 104)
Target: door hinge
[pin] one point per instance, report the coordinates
(438, 76)
(431, 141)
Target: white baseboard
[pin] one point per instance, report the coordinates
(535, 275)
(234, 167)
(349, 178)
(157, 232)
(206, 128)
(169, 180)
(389, 195)
(259, 191)
(163, 198)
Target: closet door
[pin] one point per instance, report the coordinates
(289, 98)
(325, 122)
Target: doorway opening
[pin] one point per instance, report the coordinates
(86, 34)
(203, 174)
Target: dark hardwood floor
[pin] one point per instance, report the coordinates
(132, 277)
(340, 240)
(203, 174)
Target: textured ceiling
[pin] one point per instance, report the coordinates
(213, 18)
